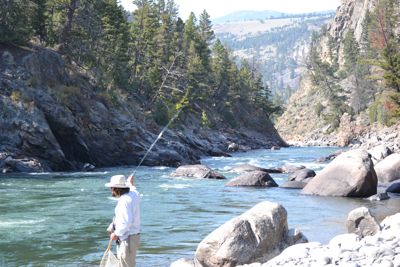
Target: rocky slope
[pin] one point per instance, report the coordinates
(302, 122)
(52, 118)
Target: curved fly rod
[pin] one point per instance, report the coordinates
(158, 138)
(170, 121)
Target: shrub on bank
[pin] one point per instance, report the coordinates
(386, 108)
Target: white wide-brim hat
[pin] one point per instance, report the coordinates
(118, 181)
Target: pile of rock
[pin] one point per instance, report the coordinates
(381, 249)
(259, 234)
(9, 162)
(260, 238)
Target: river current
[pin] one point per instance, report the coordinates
(60, 219)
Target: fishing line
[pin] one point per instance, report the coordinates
(158, 138)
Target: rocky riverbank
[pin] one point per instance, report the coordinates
(354, 135)
(251, 239)
(259, 238)
(54, 118)
(380, 249)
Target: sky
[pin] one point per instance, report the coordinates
(219, 8)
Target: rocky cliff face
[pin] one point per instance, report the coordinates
(302, 122)
(350, 15)
(53, 119)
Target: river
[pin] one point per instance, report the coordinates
(59, 219)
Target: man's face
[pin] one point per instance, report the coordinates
(113, 192)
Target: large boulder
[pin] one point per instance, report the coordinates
(391, 224)
(388, 170)
(393, 187)
(257, 235)
(361, 222)
(378, 153)
(351, 174)
(196, 171)
(254, 178)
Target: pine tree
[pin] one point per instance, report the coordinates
(15, 21)
(113, 45)
(40, 19)
(220, 65)
(206, 37)
(205, 28)
(351, 51)
(144, 27)
(382, 32)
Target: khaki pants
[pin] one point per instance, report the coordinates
(126, 251)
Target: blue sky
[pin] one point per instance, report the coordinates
(219, 8)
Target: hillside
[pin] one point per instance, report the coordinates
(351, 88)
(276, 47)
(88, 87)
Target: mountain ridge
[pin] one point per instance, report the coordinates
(248, 15)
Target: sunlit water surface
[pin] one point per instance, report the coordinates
(59, 219)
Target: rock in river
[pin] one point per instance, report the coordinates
(254, 178)
(196, 171)
(351, 174)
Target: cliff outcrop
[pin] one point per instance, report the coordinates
(53, 118)
(345, 97)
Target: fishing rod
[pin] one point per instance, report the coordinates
(158, 138)
(170, 121)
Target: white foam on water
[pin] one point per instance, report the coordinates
(160, 168)
(19, 222)
(181, 178)
(226, 168)
(39, 173)
(174, 186)
(88, 173)
(255, 162)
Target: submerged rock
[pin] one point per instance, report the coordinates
(196, 171)
(379, 196)
(294, 185)
(302, 175)
(250, 168)
(254, 178)
(291, 168)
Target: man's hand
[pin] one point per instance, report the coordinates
(110, 228)
(131, 180)
(114, 237)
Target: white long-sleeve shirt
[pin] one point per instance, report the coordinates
(127, 214)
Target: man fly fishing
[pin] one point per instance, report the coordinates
(125, 228)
